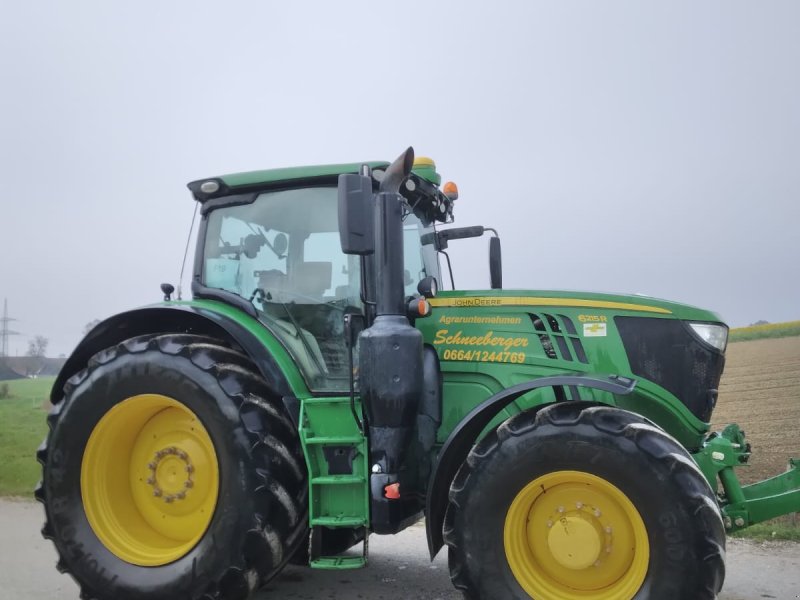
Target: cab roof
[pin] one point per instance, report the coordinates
(422, 189)
(235, 182)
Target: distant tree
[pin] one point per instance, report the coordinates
(760, 322)
(90, 325)
(38, 346)
(37, 349)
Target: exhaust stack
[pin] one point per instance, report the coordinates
(390, 350)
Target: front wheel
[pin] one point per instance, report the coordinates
(578, 502)
(170, 471)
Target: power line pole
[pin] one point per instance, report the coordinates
(4, 330)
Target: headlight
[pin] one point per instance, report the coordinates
(715, 335)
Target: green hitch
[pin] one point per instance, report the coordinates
(743, 506)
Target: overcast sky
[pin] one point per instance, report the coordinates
(633, 146)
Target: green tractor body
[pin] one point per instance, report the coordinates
(317, 389)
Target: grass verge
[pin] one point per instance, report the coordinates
(22, 429)
(771, 330)
(770, 531)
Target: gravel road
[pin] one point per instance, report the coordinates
(398, 570)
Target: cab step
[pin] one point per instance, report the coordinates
(343, 521)
(338, 480)
(339, 562)
(337, 459)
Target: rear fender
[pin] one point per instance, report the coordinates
(463, 437)
(176, 318)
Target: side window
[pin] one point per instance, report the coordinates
(222, 254)
(244, 255)
(413, 259)
(263, 264)
(280, 250)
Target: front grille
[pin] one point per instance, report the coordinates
(667, 353)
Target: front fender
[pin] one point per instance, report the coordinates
(242, 330)
(463, 437)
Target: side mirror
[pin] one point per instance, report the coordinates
(495, 263)
(356, 215)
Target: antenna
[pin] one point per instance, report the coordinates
(4, 330)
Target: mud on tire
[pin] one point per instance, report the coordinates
(260, 513)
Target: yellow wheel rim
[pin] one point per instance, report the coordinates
(149, 480)
(571, 535)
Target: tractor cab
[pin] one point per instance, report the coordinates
(275, 247)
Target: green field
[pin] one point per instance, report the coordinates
(770, 330)
(22, 429)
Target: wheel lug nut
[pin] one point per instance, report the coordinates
(150, 480)
(608, 549)
(189, 469)
(189, 484)
(597, 564)
(597, 512)
(608, 529)
(549, 524)
(561, 509)
(579, 505)
(157, 493)
(169, 499)
(182, 455)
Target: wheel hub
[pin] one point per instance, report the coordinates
(575, 542)
(171, 477)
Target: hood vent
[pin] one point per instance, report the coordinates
(558, 337)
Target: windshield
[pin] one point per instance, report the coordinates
(282, 253)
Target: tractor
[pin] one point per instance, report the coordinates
(320, 387)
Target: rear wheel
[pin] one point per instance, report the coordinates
(577, 502)
(171, 471)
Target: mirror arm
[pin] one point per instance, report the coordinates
(449, 268)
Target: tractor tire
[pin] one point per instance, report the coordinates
(171, 471)
(578, 502)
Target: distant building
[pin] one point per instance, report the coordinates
(7, 372)
(16, 367)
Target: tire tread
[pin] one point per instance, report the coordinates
(273, 441)
(610, 421)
